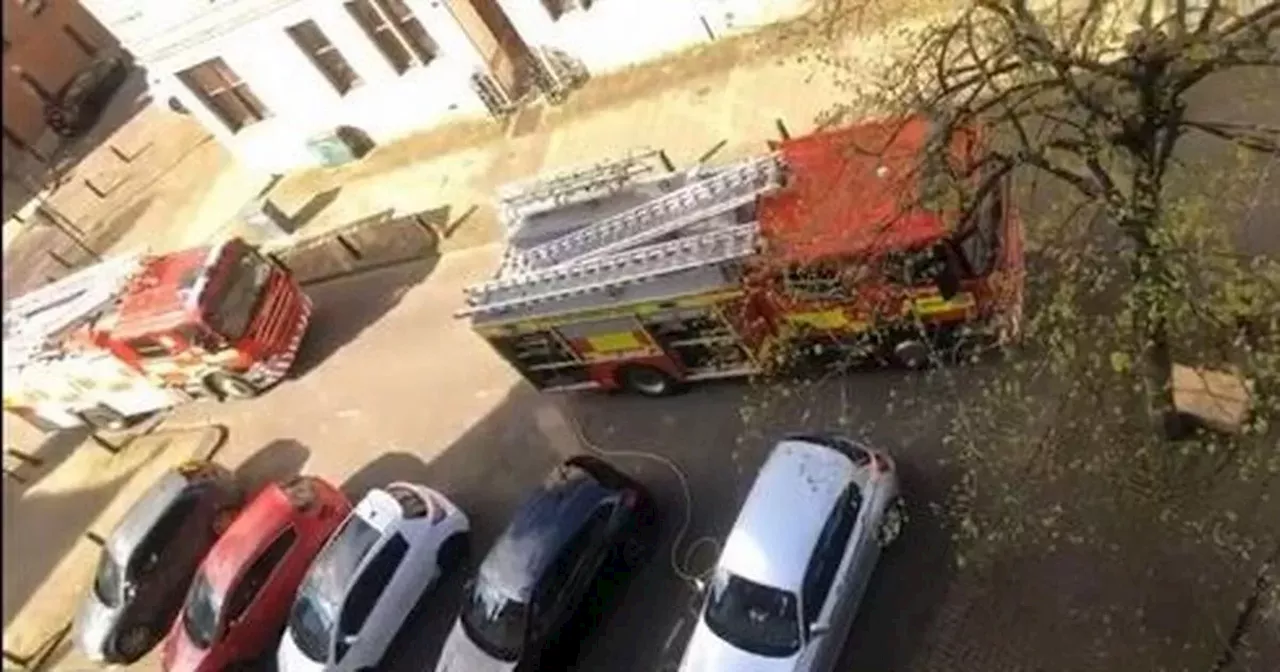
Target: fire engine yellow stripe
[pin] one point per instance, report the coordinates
(932, 305)
(622, 340)
(823, 319)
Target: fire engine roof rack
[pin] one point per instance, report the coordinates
(33, 320)
(714, 192)
(578, 184)
(603, 273)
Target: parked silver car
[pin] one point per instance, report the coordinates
(148, 560)
(795, 565)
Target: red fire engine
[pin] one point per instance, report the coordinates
(840, 243)
(136, 334)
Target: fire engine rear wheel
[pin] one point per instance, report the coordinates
(911, 353)
(231, 387)
(647, 381)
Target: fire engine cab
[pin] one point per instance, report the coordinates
(838, 244)
(136, 334)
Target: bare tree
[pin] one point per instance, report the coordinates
(1094, 94)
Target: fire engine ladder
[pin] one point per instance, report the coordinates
(577, 185)
(722, 190)
(34, 319)
(601, 273)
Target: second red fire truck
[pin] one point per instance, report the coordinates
(840, 244)
(133, 335)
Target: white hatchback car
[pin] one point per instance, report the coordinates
(366, 580)
(795, 565)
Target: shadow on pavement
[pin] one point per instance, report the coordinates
(39, 529)
(345, 307)
(52, 450)
(387, 469)
(910, 583)
(279, 460)
(314, 206)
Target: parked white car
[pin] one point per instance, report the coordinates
(365, 582)
(796, 563)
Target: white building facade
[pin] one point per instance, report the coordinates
(270, 77)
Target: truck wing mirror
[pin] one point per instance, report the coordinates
(948, 282)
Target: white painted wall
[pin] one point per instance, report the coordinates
(301, 101)
(168, 36)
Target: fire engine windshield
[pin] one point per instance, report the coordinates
(232, 306)
(981, 243)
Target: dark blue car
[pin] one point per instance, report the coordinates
(549, 574)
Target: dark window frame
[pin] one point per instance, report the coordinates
(396, 32)
(315, 44)
(89, 48)
(247, 109)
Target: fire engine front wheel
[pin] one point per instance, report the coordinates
(647, 381)
(230, 387)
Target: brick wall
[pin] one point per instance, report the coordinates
(45, 43)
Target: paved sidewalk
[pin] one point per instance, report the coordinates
(48, 560)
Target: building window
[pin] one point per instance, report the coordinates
(326, 57)
(33, 7)
(225, 93)
(33, 85)
(398, 34)
(558, 8)
(84, 44)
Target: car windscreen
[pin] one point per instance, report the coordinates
(753, 617)
(200, 612)
(232, 306)
(107, 583)
(315, 611)
(494, 620)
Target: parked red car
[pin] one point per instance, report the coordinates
(239, 600)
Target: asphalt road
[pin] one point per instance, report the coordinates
(390, 387)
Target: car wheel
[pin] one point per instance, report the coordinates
(647, 381)
(453, 553)
(134, 642)
(228, 386)
(895, 518)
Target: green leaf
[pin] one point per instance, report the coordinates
(1121, 362)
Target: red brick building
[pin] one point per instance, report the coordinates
(45, 43)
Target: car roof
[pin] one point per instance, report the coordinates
(542, 525)
(784, 513)
(255, 528)
(144, 514)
